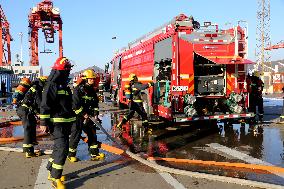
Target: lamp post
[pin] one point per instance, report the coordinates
(21, 50)
(114, 38)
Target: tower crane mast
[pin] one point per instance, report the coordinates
(262, 36)
(46, 17)
(5, 40)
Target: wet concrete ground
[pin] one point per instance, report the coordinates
(262, 141)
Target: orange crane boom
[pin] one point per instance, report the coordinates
(279, 45)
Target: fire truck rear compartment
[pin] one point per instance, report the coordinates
(162, 71)
(209, 77)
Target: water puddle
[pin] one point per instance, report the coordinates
(186, 141)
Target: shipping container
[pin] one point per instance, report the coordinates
(16, 78)
(7, 79)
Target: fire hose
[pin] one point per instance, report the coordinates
(185, 172)
(150, 163)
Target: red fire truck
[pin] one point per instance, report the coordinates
(199, 72)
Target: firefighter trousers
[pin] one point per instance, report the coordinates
(256, 101)
(136, 107)
(60, 135)
(28, 118)
(88, 127)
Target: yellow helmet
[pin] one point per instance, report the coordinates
(132, 77)
(256, 73)
(89, 74)
(43, 78)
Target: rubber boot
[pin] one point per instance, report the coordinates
(62, 178)
(58, 184)
(72, 157)
(33, 154)
(149, 131)
(97, 157)
(29, 152)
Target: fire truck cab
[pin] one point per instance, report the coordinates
(199, 72)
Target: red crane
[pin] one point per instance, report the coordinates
(46, 17)
(277, 46)
(5, 39)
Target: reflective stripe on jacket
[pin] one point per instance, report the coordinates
(56, 105)
(85, 100)
(133, 90)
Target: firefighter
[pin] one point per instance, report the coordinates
(196, 25)
(282, 114)
(135, 102)
(57, 117)
(27, 112)
(20, 91)
(85, 104)
(255, 94)
(3, 88)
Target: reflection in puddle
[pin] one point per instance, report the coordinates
(14, 131)
(185, 142)
(260, 142)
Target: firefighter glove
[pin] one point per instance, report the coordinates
(151, 83)
(45, 122)
(99, 120)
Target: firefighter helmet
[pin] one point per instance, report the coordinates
(256, 73)
(62, 63)
(43, 78)
(89, 74)
(25, 81)
(132, 77)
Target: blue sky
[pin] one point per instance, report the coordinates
(89, 25)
